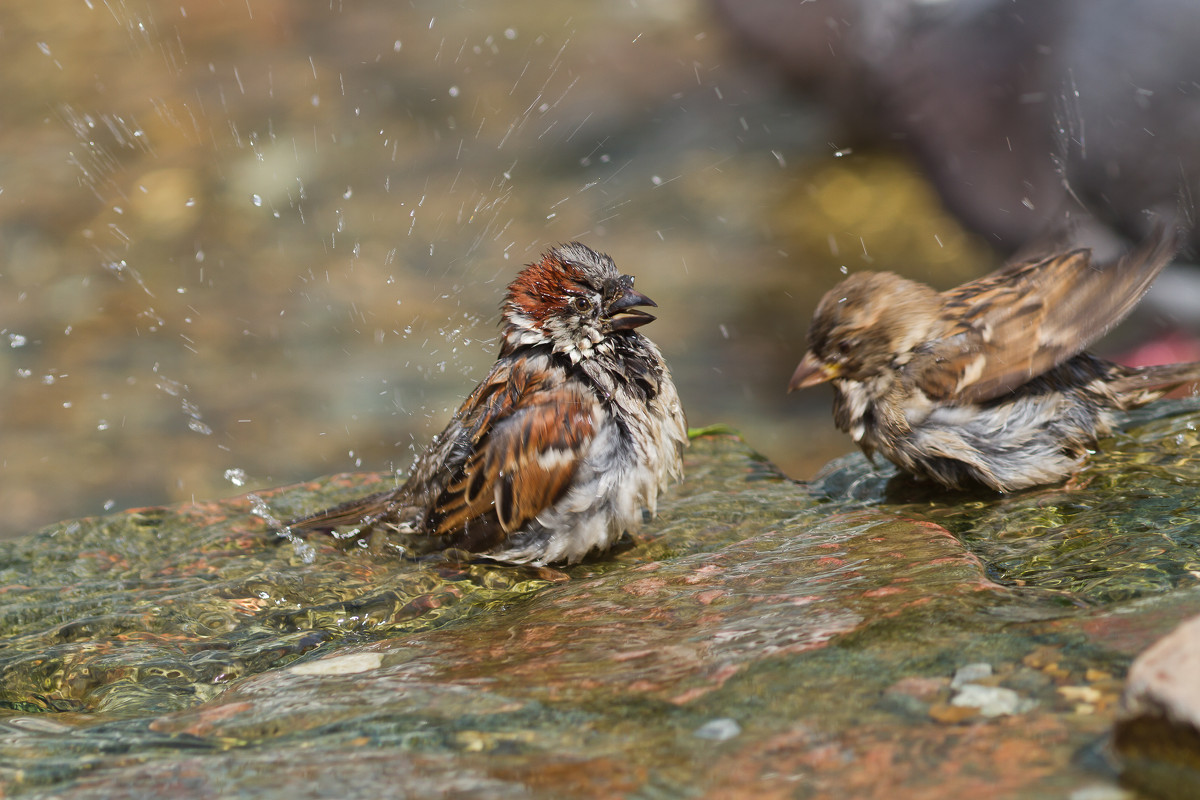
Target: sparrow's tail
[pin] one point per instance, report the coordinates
(362, 513)
(1137, 386)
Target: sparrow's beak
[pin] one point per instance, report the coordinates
(622, 314)
(812, 371)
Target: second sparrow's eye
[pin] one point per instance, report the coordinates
(581, 304)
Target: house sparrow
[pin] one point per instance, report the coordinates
(986, 383)
(574, 431)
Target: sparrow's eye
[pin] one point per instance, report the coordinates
(581, 304)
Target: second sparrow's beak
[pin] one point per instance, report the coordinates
(624, 316)
(812, 371)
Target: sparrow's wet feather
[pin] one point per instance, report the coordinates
(525, 451)
(988, 382)
(572, 434)
(1019, 322)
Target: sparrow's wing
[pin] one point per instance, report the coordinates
(1028, 317)
(524, 433)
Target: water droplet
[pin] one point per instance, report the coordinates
(199, 427)
(256, 199)
(102, 425)
(236, 476)
(454, 91)
(109, 505)
(510, 34)
(16, 340)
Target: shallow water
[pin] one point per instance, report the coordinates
(760, 636)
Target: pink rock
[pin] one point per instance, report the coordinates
(1158, 728)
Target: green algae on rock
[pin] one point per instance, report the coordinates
(1125, 526)
(160, 608)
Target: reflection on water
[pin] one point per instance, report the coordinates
(248, 244)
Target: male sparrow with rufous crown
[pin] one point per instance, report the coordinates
(575, 431)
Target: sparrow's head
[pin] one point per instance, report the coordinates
(573, 299)
(864, 326)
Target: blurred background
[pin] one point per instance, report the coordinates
(249, 243)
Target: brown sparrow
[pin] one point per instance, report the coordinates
(986, 383)
(574, 432)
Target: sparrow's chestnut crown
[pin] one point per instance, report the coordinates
(572, 300)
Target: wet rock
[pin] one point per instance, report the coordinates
(1101, 793)
(976, 690)
(1158, 730)
(970, 673)
(718, 730)
(760, 637)
(990, 701)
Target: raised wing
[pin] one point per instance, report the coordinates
(1028, 317)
